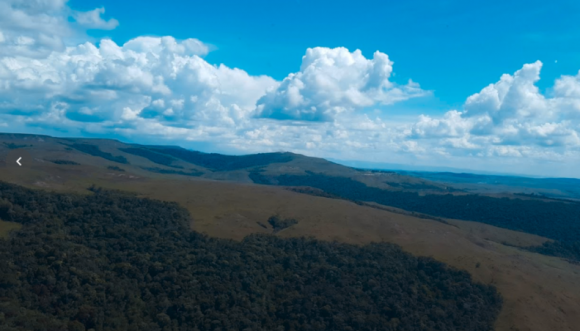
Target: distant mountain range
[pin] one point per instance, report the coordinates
(481, 181)
(418, 168)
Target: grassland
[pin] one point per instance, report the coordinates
(6, 227)
(540, 292)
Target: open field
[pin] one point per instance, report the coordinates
(6, 227)
(540, 292)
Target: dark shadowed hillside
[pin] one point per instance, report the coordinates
(219, 162)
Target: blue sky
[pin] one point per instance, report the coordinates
(301, 84)
(432, 42)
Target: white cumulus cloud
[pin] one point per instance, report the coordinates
(33, 27)
(92, 19)
(334, 81)
(511, 118)
(152, 78)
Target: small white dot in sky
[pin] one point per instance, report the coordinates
(556, 61)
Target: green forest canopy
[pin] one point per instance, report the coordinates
(151, 156)
(109, 261)
(96, 151)
(220, 162)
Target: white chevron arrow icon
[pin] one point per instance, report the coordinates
(18, 161)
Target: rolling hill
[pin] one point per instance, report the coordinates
(96, 155)
(231, 197)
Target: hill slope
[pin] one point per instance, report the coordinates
(540, 292)
(48, 154)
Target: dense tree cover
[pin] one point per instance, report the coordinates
(278, 223)
(311, 191)
(115, 168)
(193, 173)
(64, 162)
(15, 146)
(420, 186)
(96, 151)
(219, 162)
(556, 220)
(375, 171)
(107, 261)
(151, 156)
(567, 249)
(545, 197)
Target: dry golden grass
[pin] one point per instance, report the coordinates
(499, 235)
(6, 227)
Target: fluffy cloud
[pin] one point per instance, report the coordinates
(92, 19)
(35, 28)
(157, 85)
(450, 125)
(510, 118)
(160, 86)
(512, 97)
(334, 81)
(32, 27)
(159, 79)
